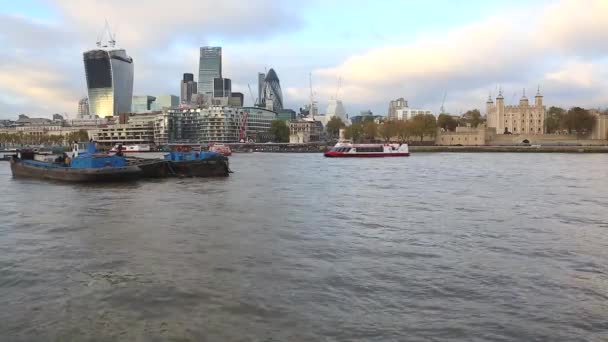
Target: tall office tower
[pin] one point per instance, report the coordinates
(109, 74)
(209, 67)
(222, 87)
(261, 78)
(272, 95)
(188, 89)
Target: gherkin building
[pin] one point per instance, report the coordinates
(273, 97)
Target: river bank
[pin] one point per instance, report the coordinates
(512, 149)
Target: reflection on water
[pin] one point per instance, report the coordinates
(298, 247)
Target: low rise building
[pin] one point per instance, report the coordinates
(305, 131)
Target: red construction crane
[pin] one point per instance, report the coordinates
(243, 128)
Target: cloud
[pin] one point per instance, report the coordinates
(511, 49)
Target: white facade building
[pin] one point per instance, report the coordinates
(407, 113)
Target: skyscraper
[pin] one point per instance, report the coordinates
(209, 67)
(272, 95)
(395, 105)
(261, 78)
(109, 74)
(188, 88)
(222, 87)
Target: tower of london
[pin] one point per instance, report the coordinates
(516, 119)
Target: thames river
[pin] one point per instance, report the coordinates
(296, 247)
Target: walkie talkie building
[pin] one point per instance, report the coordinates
(109, 75)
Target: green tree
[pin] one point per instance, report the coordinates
(370, 130)
(473, 117)
(447, 122)
(333, 127)
(404, 130)
(579, 120)
(388, 129)
(280, 130)
(424, 124)
(354, 132)
(555, 119)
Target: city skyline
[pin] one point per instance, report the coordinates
(465, 52)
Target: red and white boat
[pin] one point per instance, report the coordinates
(345, 150)
(132, 148)
(220, 148)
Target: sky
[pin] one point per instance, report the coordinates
(363, 52)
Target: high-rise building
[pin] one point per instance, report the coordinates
(142, 104)
(109, 75)
(222, 87)
(272, 97)
(209, 67)
(261, 78)
(395, 105)
(188, 88)
(236, 99)
(83, 108)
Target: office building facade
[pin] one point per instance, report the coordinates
(222, 87)
(188, 89)
(109, 76)
(272, 96)
(209, 67)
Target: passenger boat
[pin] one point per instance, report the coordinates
(132, 148)
(343, 150)
(220, 148)
(198, 164)
(85, 166)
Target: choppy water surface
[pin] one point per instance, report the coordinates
(295, 247)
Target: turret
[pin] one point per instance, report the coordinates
(523, 102)
(500, 112)
(538, 99)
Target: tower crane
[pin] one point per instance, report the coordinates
(251, 94)
(442, 108)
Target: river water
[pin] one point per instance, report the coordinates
(295, 247)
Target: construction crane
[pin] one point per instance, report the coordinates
(251, 94)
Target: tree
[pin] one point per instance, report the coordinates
(554, 120)
(424, 124)
(447, 122)
(333, 127)
(280, 130)
(404, 130)
(354, 132)
(370, 130)
(473, 117)
(579, 120)
(388, 129)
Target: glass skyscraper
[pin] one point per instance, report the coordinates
(209, 67)
(109, 75)
(188, 88)
(272, 95)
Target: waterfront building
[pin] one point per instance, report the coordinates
(188, 88)
(83, 107)
(395, 105)
(142, 103)
(516, 119)
(272, 97)
(210, 124)
(109, 76)
(209, 67)
(222, 87)
(135, 131)
(305, 131)
(366, 115)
